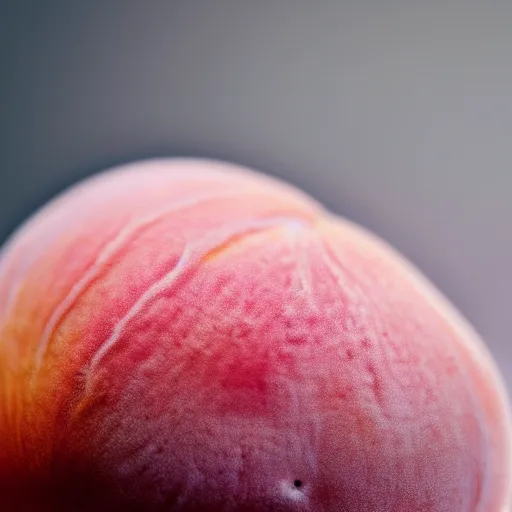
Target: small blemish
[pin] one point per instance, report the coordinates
(296, 340)
(312, 321)
(366, 343)
(297, 483)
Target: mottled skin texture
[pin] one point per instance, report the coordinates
(184, 335)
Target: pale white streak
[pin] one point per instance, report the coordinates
(303, 426)
(110, 250)
(151, 293)
(465, 332)
(301, 239)
(192, 255)
(305, 274)
(337, 272)
(466, 335)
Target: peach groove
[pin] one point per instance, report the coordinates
(190, 259)
(111, 249)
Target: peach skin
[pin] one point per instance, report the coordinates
(188, 335)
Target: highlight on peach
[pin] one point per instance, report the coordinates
(189, 335)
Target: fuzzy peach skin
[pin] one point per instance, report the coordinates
(187, 335)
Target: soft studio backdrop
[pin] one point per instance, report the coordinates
(396, 114)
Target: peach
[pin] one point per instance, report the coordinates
(187, 335)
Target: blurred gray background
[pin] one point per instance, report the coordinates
(396, 114)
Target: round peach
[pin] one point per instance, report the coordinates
(187, 335)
